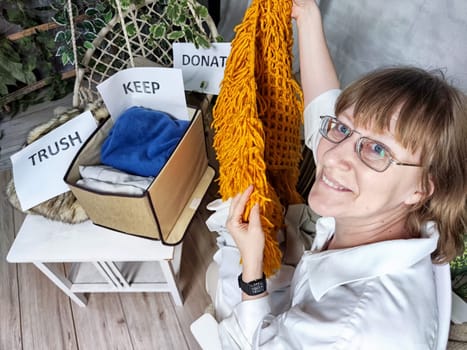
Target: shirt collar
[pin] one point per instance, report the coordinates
(329, 269)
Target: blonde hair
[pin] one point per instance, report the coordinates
(432, 119)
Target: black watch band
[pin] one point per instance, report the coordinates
(254, 287)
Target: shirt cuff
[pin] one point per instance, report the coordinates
(323, 104)
(249, 314)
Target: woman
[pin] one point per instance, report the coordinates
(390, 153)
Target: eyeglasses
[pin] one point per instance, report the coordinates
(372, 153)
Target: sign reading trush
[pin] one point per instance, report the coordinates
(38, 169)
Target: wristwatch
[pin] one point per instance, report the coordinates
(254, 287)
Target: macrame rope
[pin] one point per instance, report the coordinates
(125, 32)
(257, 118)
(73, 38)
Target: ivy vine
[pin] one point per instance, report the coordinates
(28, 60)
(91, 17)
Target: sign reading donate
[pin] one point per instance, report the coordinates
(38, 169)
(203, 69)
(152, 87)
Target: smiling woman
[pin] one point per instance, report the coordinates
(391, 113)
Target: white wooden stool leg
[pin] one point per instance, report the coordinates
(57, 277)
(171, 283)
(177, 258)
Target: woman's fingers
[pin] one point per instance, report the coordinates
(248, 236)
(255, 218)
(238, 205)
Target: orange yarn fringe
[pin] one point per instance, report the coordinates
(257, 118)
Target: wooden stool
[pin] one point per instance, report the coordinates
(102, 260)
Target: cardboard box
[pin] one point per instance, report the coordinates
(167, 206)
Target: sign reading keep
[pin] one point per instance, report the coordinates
(156, 88)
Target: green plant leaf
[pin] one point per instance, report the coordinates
(29, 76)
(126, 4)
(131, 29)
(201, 11)
(68, 36)
(12, 70)
(201, 41)
(138, 2)
(89, 36)
(59, 51)
(180, 20)
(81, 51)
(60, 36)
(88, 26)
(175, 35)
(101, 6)
(188, 33)
(173, 12)
(88, 45)
(65, 58)
(61, 18)
(3, 88)
(99, 23)
(92, 11)
(7, 76)
(74, 9)
(146, 18)
(57, 4)
(108, 16)
(158, 30)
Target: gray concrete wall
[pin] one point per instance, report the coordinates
(366, 34)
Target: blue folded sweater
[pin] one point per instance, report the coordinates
(142, 140)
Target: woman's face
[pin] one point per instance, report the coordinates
(347, 188)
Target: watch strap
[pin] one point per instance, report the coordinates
(254, 287)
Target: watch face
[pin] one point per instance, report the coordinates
(257, 287)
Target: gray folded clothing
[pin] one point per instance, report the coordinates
(107, 179)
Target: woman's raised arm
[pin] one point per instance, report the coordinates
(317, 70)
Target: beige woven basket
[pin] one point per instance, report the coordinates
(115, 49)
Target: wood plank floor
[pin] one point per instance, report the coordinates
(35, 314)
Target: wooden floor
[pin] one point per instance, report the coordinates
(35, 314)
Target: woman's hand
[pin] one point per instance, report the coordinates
(248, 236)
(302, 8)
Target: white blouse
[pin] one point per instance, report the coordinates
(375, 296)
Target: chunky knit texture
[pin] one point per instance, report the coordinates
(257, 118)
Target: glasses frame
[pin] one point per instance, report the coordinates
(358, 144)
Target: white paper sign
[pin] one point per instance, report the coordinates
(203, 69)
(39, 168)
(152, 87)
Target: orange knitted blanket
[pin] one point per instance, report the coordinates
(257, 118)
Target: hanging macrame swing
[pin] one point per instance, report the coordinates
(115, 48)
(257, 118)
